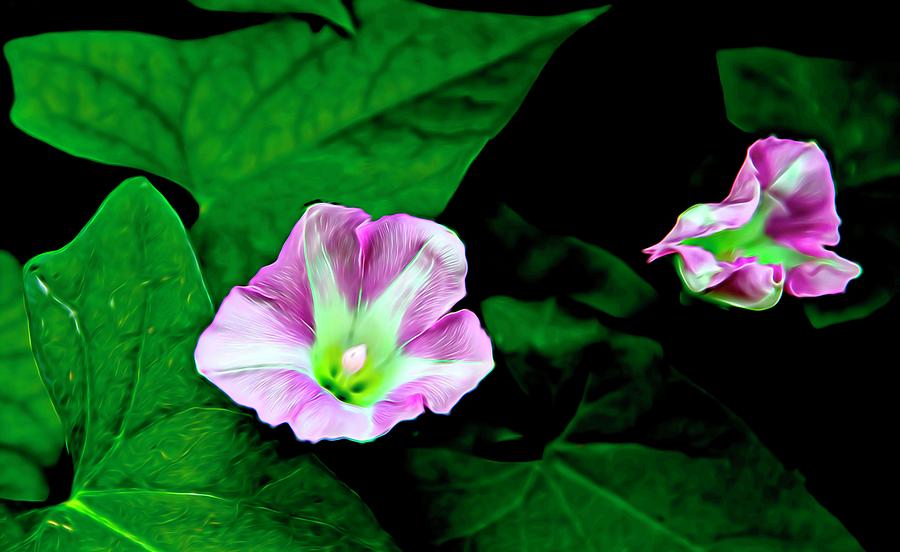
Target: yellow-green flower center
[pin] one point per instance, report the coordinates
(350, 374)
(750, 240)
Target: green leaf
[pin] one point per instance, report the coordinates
(543, 345)
(821, 316)
(10, 531)
(648, 462)
(330, 10)
(159, 464)
(260, 122)
(522, 327)
(851, 108)
(593, 275)
(32, 435)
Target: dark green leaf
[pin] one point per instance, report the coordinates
(31, 435)
(593, 276)
(259, 122)
(648, 462)
(521, 329)
(541, 327)
(853, 109)
(159, 465)
(821, 316)
(331, 10)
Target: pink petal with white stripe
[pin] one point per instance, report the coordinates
(446, 361)
(413, 270)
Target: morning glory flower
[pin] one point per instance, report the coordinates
(347, 333)
(768, 235)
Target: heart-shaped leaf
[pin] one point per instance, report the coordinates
(648, 462)
(160, 464)
(31, 437)
(260, 122)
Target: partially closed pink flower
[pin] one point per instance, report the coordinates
(768, 235)
(347, 333)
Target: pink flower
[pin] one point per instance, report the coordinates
(767, 236)
(347, 333)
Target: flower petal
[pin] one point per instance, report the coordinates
(413, 272)
(446, 362)
(750, 285)
(331, 252)
(325, 240)
(325, 417)
(276, 395)
(796, 178)
(743, 282)
(697, 267)
(824, 275)
(252, 329)
(708, 218)
(258, 355)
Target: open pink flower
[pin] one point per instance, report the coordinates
(767, 236)
(347, 333)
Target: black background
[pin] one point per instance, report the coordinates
(604, 148)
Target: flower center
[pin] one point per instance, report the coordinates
(357, 375)
(750, 240)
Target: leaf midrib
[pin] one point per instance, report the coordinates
(567, 470)
(76, 505)
(86, 356)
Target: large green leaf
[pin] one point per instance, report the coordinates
(331, 10)
(260, 122)
(31, 435)
(852, 108)
(647, 462)
(159, 463)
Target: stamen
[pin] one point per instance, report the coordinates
(353, 359)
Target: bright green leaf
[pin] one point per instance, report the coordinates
(10, 531)
(159, 465)
(31, 435)
(331, 10)
(259, 122)
(851, 108)
(673, 471)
